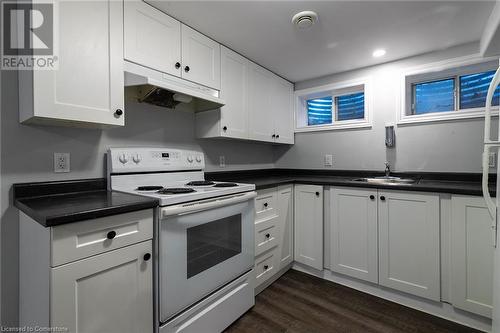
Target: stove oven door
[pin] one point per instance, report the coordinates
(203, 246)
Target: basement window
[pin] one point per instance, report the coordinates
(335, 106)
(450, 93)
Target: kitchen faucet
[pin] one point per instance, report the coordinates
(387, 169)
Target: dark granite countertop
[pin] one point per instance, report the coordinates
(55, 203)
(453, 183)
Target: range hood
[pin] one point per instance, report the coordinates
(146, 85)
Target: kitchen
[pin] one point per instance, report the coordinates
(307, 171)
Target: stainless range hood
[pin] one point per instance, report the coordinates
(146, 85)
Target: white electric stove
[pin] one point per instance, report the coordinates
(204, 236)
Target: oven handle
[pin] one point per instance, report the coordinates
(189, 208)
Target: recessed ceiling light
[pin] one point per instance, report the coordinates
(305, 19)
(378, 53)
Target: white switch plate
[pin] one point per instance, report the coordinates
(328, 160)
(222, 161)
(61, 162)
(492, 162)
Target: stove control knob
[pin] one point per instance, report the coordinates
(123, 158)
(198, 159)
(190, 159)
(136, 158)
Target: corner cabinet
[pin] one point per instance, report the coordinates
(409, 243)
(259, 104)
(309, 225)
(354, 233)
(87, 88)
(472, 255)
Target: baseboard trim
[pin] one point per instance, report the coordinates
(438, 309)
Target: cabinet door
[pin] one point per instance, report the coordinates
(285, 224)
(282, 109)
(200, 58)
(260, 113)
(472, 255)
(353, 233)
(88, 86)
(152, 38)
(409, 243)
(234, 81)
(110, 292)
(309, 225)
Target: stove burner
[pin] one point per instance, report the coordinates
(200, 183)
(149, 188)
(176, 190)
(226, 185)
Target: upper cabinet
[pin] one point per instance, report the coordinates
(152, 38)
(155, 40)
(259, 104)
(87, 88)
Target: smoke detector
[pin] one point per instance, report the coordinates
(305, 19)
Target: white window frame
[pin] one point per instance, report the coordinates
(334, 90)
(452, 68)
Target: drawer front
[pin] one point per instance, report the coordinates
(266, 204)
(266, 235)
(265, 267)
(83, 239)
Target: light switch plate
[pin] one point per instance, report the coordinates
(328, 160)
(61, 162)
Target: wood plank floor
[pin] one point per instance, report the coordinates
(300, 303)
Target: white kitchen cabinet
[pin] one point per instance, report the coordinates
(110, 292)
(472, 255)
(200, 58)
(308, 225)
(282, 110)
(409, 245)
(270, 107)
(231, 120)
(261, 120)
(354, 233)
(87, 88)
(285, 224)
(152, 38)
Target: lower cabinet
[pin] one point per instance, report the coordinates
(353, 233)
(471, 255)
(110, 292)
(273, 232)
(409, 243)
(308, 240)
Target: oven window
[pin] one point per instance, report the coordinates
(211, 243)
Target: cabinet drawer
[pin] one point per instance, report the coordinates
(266, 235)
(265, 267)
(78, 240)
(265, 204)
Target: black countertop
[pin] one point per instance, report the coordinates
(55, 203)
(453, 183)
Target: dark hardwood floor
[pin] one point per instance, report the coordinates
(298, 302)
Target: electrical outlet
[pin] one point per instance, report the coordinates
(328, 160)
(492, 162)
(222, 161)
(61, 162)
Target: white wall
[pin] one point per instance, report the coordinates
(446, 146)
(27, 155)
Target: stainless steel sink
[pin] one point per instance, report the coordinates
(386, 180)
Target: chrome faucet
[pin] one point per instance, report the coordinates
(387, 169)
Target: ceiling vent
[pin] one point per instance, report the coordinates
(305, 19)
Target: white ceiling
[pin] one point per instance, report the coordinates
(344, 37)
